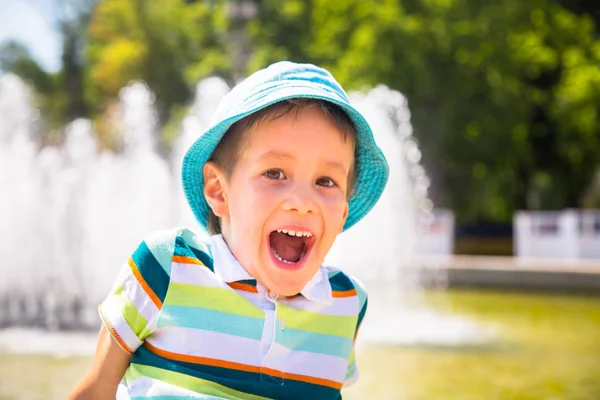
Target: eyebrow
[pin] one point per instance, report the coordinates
(279, 155)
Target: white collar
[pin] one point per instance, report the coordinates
(228, 269)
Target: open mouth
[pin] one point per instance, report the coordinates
(290, 247)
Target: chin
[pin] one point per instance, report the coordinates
(289, 287)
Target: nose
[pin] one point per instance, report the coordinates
(300, 198)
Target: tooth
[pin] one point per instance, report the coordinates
(284, 231)
(279, 230)
(291, 232)
(299, 234)
(276, 254)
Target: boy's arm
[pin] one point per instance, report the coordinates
(130, 312)
(107, 370)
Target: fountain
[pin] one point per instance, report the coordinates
(384, 243)
(71, 216)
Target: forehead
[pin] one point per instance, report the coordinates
(309, 130)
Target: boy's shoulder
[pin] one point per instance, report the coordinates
(165, 244)
(168, 237)
(343, 282)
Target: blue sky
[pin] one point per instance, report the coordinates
(23, 21)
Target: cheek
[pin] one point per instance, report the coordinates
(334, 208)
(261, 199)
(251, 207)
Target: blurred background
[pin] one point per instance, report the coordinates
(487, 277)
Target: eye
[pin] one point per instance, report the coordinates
(274, 174)
(326, 182)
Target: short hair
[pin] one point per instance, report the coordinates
(234, 142)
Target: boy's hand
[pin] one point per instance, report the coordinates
(108, 367)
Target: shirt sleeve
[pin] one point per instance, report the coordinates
(352, 372)
(131, 309)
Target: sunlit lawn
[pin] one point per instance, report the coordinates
(547, 348)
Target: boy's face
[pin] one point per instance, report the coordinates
(293, 177)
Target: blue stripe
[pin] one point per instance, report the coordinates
(183, 249)
(362, 303)
(249, 382)
(151, 270)
(315, 342)
(362, 296)
(251, 282)
(340, 282)
(211, 320)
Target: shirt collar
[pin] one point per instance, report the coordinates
(228, 269)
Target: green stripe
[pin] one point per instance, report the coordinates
(212, 298)
(186, 382)
(318, 323)
(119, 301)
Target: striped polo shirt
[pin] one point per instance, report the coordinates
(200, 327)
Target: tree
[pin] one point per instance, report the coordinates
(71, 18)
(504, 96)
(48, 96)
(61, 95)
(168, 44)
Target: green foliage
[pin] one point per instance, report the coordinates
(169, 44)
(500, 92)
(15, 58)
(505, 96)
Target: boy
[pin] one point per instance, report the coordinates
(253, 314)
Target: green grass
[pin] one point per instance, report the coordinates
(547, 348)
(31, 377)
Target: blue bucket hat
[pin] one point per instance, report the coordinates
(281, 81)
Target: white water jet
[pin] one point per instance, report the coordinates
(380, 250)
(209, 93)
(71, 216)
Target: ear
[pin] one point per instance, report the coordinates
(346, 211)
(215, 191)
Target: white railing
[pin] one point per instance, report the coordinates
(557, 234)
(435, 236)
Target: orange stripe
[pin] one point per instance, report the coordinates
(213, 362)
(186, 260)
(243, 286)
(348, 293)
(145, 286)
(114, 333)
